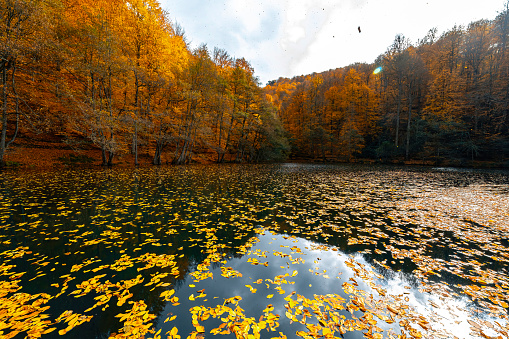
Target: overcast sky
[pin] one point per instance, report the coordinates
(294, 37)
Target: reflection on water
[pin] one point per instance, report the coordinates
(367, 250)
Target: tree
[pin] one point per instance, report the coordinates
(396, 67)
(269, 142)
(154, 49)
(22, 24)
(196, 93)
(442, 109)
(414, 83)
(475, 54)
(499, 119)
(352, 112)
(223, 106)
(94, 58)
(241, 83)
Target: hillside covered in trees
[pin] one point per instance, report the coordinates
(120, 76)
(444, 99)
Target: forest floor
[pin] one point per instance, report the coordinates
(50, 151)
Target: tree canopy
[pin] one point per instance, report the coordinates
(121, 74)
(444, 98)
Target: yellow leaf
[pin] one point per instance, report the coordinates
(51, 329)
(173, 333)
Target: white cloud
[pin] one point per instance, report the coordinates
(248, 13)
(294, 37)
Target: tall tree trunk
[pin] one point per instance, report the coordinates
(253, 152)
(103, 156)
(3, 138)
(228, 136)
(396, 143)
(3, 135)
(190, 151)
(135, 142)
(185, 135)
(240, 144)
(220, 133)
(109, 95)
(137, 104)
(110, 158)
(407, 151)
(227, 143)
(158, 152)
(183, 154)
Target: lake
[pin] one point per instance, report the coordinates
(255, 251)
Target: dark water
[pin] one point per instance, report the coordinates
(415, 231)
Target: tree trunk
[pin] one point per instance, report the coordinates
(397, 116)
(135, 143)
(4, 112)
(16, 106)
(110, 158)
(324, 158)
(4, 144)
(232, 121)
(137, 104)
(183, 154)
(407, 151)
(221, 159)
(240, 144)
(190, 151)
(220, 133)
(3, 135)
(103, 156)
(157, 154)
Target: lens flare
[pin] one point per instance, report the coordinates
(377, 70)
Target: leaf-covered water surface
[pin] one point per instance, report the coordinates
(282, 251)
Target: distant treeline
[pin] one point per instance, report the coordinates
(121, 74)
(445, 98)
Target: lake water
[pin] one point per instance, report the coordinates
(295, 250)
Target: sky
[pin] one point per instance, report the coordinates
(286, 38)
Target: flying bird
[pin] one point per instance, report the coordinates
(359, 28)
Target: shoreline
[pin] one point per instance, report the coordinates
(52, 152)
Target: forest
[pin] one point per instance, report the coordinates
(120, 76)
(442, 100)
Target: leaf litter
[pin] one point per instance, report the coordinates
(79, 247)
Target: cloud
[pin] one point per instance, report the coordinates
(278, 36)
(294, 37)
(274, 36)
(302, 25)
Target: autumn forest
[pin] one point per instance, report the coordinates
(121, 77)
